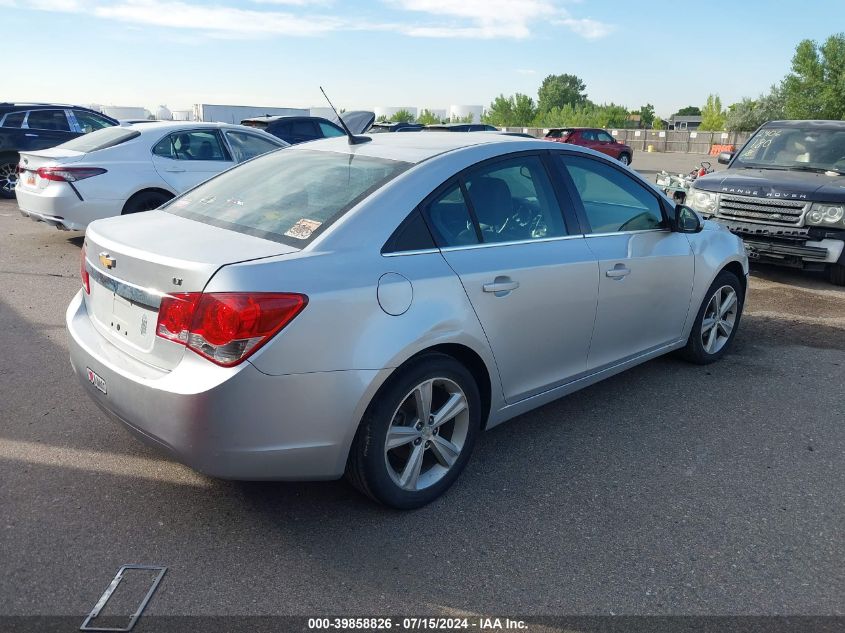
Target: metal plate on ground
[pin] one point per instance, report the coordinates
(107, 594)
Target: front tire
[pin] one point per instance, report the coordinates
(417, 434)
(8, 176)
(836, 274)
(717, 320)
(625, 159)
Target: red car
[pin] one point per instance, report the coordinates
(594, 138)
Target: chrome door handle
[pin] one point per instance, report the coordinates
(618, 272)
(31, 135)
(501, 285)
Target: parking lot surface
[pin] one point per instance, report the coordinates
(669, 489)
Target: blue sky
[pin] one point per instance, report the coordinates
(424, 53)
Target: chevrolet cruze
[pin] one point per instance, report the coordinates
(368, 308)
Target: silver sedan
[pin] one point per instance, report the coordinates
(369, 308)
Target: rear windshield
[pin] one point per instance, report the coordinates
(289, 196)
(101, 139)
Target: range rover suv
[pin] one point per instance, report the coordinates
(27, 127)
(784, 194)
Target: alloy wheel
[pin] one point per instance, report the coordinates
(624, 159)
(427, 434)
(8, 177)
(719, 319)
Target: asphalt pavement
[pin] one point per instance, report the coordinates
(669, 489)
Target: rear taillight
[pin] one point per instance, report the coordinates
(226, 327)
(68, 174)
(83, 272)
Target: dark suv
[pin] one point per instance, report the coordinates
(295, 129)
(783, 193)
(32, 126)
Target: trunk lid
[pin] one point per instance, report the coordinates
(134, 261)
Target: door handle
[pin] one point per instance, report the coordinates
(31, 135)
(619, 271)
(501, 286)
(174, 170)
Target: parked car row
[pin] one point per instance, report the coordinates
(130, 168)
(35, 126)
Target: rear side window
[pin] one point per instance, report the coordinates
(304, 129)
(48, 120)
(101, 139)
(14, 119)
(513, 201)
(290, 196)
(412, 235)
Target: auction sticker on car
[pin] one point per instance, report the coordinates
(95, 379)
(303, 229)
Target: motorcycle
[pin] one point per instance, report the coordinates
(678, 185)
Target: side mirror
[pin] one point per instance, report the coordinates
(687, 220)
(725, 157)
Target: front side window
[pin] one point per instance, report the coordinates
(14, 119)
(289, 196)
(195, 145)
(329, 130)
(604, 137)
(48, 120)
(90, 122)
(245, 146)
(513, 200)
(612, 200)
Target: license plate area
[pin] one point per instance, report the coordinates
(128, 323)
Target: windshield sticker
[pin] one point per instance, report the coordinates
(762, 140)
(303, 229)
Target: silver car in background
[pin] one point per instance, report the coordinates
(369, 308)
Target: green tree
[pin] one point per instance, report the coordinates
(689, 111)
(382, 118)
(427, 117)
(467, 118)
(646, 113)
(749, 114)
(815, 88)
(516, 110)
(558, 91)
(712, 115)
(658, 124)
(402, 116)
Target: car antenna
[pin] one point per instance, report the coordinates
(353, 140)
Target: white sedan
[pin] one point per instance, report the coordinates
(130, 168)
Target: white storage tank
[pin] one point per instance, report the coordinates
(462, 111)
(183, 115)
(125, 112)
(163, 113)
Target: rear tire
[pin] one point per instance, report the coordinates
(426, 455)
(145, 201)
(8, 175)
(625, 159)
(836, 274)
(717, 320)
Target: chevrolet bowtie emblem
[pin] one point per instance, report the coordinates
(107, 260)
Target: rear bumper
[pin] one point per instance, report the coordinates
(58, 205)
(232, 423)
